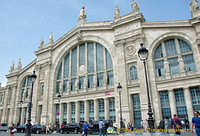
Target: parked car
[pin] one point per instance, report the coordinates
(94, 126)
(38, 129)
(3, 127)
(71, 128)
(21, 128)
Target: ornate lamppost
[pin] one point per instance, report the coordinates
(143, 55)
(119, 89)
(20, 111)
(59, 97)
(33, 78)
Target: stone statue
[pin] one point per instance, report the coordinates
(105, 79)
(19, 66)
(82, 16)
(68, 86)
(181, 65)
(166, 67)
(135, 7)
(77, 83)
(194, 5)
(12, 66)
(42, 42)
(85, 82)
(117, 13)
(51, 38)
(95, 81)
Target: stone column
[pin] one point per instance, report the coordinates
(106, 108)
(188, 102)
(68, 112)
(77, 116)
(96, 110)
(13, 105)
(86, 110)
(22, 116)
(61, 113)
(172, 102)
(5, 104)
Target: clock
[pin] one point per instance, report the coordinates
(82, 67)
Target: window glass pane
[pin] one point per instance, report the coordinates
(101, 109)
(73, 112)
(82, 54)
(65, 85)
(165, 107)
(74, 62)
(170, 47)
(110, 77)
(100, 57)
(189, 62)
(59, 73)
(195, 96)
(158, 52)
(91, 110)
(174, 66)
(57, 110)
(136, 110)
(81, 111)
(112, 109)
(29, 81)
(25, 112)
(185, 47)
(73, 84)
(133, 73)
(65, 112)
(57, 86)
(90, 81)
(108, 60)
(90, 57)
(27, 92)
(66, 66)
(159, 66)
(81, 82)
(42, 89)
(24, 83)
(100, 79)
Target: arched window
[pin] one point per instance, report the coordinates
(170, 53)
(87, 65)
(26, 87)
(133, 73)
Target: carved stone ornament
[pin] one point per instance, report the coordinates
(181, 65)
(166, 67)
(79, 35)
(130, 50)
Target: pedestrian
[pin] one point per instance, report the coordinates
(196, 122)
(11, 130)
(176, 124)
(47, 128)
(85, 128)
(187, 123)
(146, 125)
(101, 125)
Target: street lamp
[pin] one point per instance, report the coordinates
(33, 78)
(143, 55)
(20, 111)
(59, 97)
(119, 89)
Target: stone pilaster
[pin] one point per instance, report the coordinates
(96, 110)
(86, 110)
(106, 108)
(13, 105)
(68, 112)
(77, 118)
(188, 102)
(5, 104)
(61, 113)
(172, 102)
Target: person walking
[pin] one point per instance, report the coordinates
(196, 122)
(101, 129)
(187, 123)
(85, 128)
(176, 124)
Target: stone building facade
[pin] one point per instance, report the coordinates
(86, 64)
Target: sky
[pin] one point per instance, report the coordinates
(24, 22)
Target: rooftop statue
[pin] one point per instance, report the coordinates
(19, 66)
(135, 7)
(51, 38)
(82, 16)
(117, 13)
(194, 5)
(42, 41)
(12, 66)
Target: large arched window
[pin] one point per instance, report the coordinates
(25, 87)
(88, 65)
(174, 55)
(133, 73)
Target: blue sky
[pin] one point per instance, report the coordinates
(24, 22)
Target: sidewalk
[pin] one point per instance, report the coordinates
(155, 134)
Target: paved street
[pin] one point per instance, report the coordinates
(125, 134)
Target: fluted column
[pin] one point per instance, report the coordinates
(86, 110)
(77, 119)
(188, 102)
(106, 108)
(172, 102)
(68, 112)
(96, 110)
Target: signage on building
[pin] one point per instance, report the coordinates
(107, 93)
(58, 113)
